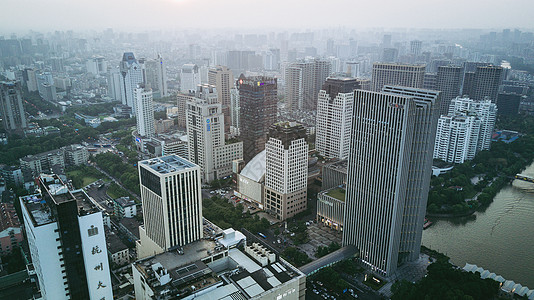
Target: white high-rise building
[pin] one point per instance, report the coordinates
(388, 176)
(144, 111)
(67, 242)
(466, 130)
(223, 79)
(457, 138)
(172, 204)
(205, 131)
(286, 170)
(131, 75)
(189, 78)
(334, 117)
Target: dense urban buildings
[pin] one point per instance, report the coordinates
(172, 204)
(286, 170)
(257, 102)
(65, 234)
(11, 109)
(388, 174)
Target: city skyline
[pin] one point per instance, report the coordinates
(167, 14)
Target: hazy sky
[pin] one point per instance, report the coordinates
(45, 15)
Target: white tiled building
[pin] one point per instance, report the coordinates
(286, 174)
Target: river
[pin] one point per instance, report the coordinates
(500, 239)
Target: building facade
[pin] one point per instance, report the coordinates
(172, 204)
(258, 109)
(388, 174)
(189, 78)
(67, 243)
(334, 117)
(397, 74)
(144, 111)
(205, 130)
(131, 74)
(286, 170)
(11, 109)
(331, 208)
(449, 83)
(466, 130)
(487, 80)
(223, 79)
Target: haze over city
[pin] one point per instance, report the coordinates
(142, 15)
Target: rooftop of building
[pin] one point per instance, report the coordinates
(29, 158)
(255, 169)
(194, 275)
(40, 210)
(114, 243)
(167, 164)
(336, 193)
(340, 165)
(125, 201)
(8, 216)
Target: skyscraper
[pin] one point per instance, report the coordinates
(67, 242)
(304, 79)
(257, 100)
(144, 111)
(156, 76)
(486, 83)
(334, 117)
(397, 74)
(286, 170)
(205, 132)
(223, 79)
(449, 83)
(114, 83)
(11, 109)
(131, 76)
(388, 174)
(172, 204)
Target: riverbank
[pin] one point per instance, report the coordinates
(456, 194)
(494, 237)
